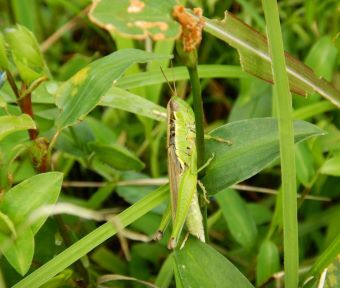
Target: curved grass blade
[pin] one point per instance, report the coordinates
(255, 59)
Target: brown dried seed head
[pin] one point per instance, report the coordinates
(191, 27)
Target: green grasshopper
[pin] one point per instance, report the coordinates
(182, 170)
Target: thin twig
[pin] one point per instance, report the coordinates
(162, 181)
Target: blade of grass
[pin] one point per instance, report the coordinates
(92, 240)
(180, 73)
(286, 135)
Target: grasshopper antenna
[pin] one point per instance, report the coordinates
(173, 76)
(172, 89)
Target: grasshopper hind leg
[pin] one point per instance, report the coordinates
(194, 220)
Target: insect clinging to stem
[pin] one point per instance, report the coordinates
(182, 169)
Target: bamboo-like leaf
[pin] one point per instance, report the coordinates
(136, 19)
(255, 59)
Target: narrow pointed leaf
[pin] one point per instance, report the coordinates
(255, 145)
(80, 94)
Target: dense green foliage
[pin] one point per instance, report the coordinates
(83, 91)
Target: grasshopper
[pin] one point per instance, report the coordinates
(182, 170)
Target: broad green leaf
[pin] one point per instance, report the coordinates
(254, 146)
(80, 94)
(240, 222)
(136, 19)
(93, 240)
(23, 199)
(255, 58)
(124, 100)
(10, 124)
(117, 156)
(19, 251)
(199, 265)
(268, 262)
(332, 166)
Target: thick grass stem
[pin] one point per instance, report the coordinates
(286, 135)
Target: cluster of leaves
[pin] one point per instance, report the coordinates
(85, 110)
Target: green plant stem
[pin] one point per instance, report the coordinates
(93, 239)
(198, 110)
(199, 118)
(286, 134)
